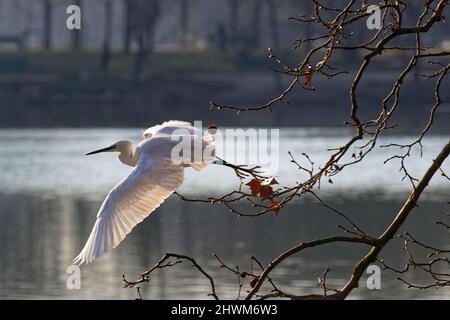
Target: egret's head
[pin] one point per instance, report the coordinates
(119, 146)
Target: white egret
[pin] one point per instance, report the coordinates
(155, 177)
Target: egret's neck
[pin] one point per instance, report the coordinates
(130, 156)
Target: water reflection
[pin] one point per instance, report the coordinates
(40, 235)
(51, 193)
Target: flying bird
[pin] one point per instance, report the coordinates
(156, 175)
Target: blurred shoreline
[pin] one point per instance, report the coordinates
(41, 89)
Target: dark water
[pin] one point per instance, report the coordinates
(51, 193)
(40, 235)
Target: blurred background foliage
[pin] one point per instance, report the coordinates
(159, 59)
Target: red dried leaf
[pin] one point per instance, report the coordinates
(275, 206)
(265, 191)
(309, 74)
(255, 186)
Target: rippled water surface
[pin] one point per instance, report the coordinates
(51, 192)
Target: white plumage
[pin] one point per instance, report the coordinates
(168, 128)
(155, 177)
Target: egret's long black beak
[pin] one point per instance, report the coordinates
(102, 150)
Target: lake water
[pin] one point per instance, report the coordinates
(51, 192)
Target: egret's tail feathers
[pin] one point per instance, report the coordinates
(199, 166)
(203, 162)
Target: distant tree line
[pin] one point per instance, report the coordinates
(220, 24)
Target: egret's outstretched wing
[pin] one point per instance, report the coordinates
(153, 180)
(166, 127)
